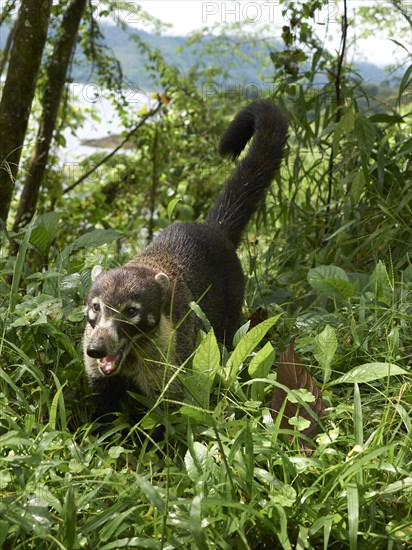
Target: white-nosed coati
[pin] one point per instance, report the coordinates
(138, 314)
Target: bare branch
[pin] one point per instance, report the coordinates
(109, 156)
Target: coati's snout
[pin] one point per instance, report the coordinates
(108, 363)
(105, 346)
(97, 348)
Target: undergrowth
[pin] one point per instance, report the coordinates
(224, 474)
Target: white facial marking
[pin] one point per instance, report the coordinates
(107, 323)
(151, 320)
(92, 313)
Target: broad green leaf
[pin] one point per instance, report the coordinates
(152, 493)
(370, 372)
(58, 406)
(37, 513)
(357, 186)
(335, 288)
(357, 415)
(331, 281)
(97, 237)
(380, 283)
(45, 231)
(348, 119)
(365, 132)
(325, 347)
(246, 345)
(199, 461)
(241, 331)
(206, 363)
(38, 314)
(302, 394)
(170, 208)
(326, 272)
(386, 117)
(115, 451)
(40, 239)
(4, 527)
(198, 414)
(299, 423)
(401, 485)
(262, 362)
(337, 136)
(259, 367)
(248, 458)
(282, 529)
(345, 124)
(11, 439)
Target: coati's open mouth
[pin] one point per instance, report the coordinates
(110, 364)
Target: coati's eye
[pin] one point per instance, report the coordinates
(96, 307)
(131, 311)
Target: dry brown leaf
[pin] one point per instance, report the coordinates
(258, 316)
(292, 374)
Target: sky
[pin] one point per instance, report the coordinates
(186, 16)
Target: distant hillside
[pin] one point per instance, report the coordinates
(133, 63)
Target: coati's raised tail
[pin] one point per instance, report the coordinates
(245, 189)
(139, 322)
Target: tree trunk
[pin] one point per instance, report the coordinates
(56, 79)
(18, 91)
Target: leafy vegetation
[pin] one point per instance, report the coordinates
(327, 263)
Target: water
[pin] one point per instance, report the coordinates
(103, 122)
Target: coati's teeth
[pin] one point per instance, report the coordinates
(109, 364)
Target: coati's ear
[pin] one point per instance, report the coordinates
(163, 280)
(96, 272)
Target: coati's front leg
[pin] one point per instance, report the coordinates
(108, 396)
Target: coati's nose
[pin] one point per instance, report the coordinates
(97, 349)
